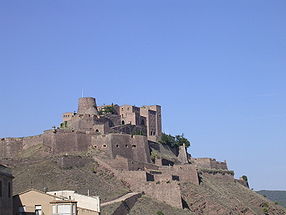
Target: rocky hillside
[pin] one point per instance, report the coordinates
(216, 194)
(50, 174)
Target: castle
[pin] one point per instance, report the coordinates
(123, 139)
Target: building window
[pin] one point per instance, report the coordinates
(64, 209)
(133, 146)
(97, 130)
(122, 122)
(38, 209)
(117, 146)
(104, 146)
(126, 146)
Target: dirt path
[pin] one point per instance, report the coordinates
(120, 199)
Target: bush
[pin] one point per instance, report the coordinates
(107, 109)
(178, 140)
(159, 213)
(168, 139)
(244, 177)
(154, 155)
(181, 140)
(265, 210)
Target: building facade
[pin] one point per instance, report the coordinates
(6, 203)
(40, 203)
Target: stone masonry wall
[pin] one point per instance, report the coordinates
(10, 147)
(186, 173)
(168, 192)
(209, 163)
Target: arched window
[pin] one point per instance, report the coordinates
(123, 122)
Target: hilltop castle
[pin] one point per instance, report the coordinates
(123, 139)
(106, 119)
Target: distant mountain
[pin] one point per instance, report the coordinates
(275, 196)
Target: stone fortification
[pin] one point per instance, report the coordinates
(122, 139)
(10, 147)
(209, 163)
(133, 147)
(87, 105)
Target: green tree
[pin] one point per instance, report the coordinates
(244, 177)
(181, 140)
(178, 140)
(168, 139)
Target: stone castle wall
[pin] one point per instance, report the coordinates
(168, 192)
(10, 147)
(64, 141)
(87, 105)
(186, 173)
(132, 147)
(122, 163)
(61, 141)
(209, 163)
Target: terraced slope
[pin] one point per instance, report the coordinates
(144, 206)
(216, 195)
(221, 195)
(46, 173)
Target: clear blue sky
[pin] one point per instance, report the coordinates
(217, 68)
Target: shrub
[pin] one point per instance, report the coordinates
(244, 177)
(181, 140)
(168, 139)
(265, 210)
(159, 213)
(107, 109)
(154, 155)
(178, 140)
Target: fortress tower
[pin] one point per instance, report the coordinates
(87, 105)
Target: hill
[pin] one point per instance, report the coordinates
(275, 196)
(52, 173)
(217, 194)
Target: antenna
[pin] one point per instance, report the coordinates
(82, 93)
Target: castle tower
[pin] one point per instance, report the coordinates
(87, 105)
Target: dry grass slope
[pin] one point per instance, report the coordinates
(221, 195)
(46, 173)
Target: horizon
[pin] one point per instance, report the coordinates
(216, 68)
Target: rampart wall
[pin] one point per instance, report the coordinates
(168, 192)
(10, 147)
(65, 140)
(186, 173)
(121, 163)
(209, 163)
(132, 147)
